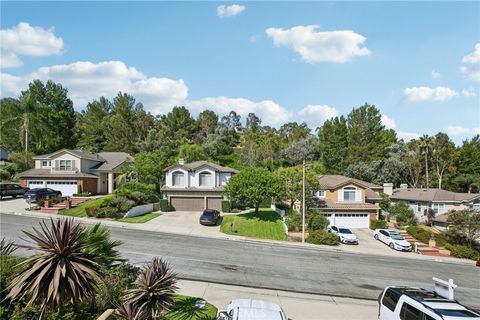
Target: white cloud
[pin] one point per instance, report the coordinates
(470, 92)
(476, 130)
(436, 74)
(471, 64)
(87, 81)
(419, 94)
(229, 11)
(270, 112)
(407, 136)
(459, 130)
(315, 46)
(25, 40)
(389, 123)
(316, 115)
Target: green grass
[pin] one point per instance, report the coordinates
(184, 309)
(80, 210)
(140, 219)
(266, 225)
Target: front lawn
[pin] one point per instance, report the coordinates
(266, 225)
(80, 210)
(184, 308)
(140, 219)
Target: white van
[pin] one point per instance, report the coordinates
(252, 309)
(409, 303)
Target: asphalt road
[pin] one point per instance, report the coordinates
(280, 266)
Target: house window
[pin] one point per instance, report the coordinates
(319, 194)
(66, 165)
(349, 193)
(438, 207)
(46, 163)
(178, 179)
(205, 179)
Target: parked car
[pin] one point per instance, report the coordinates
(11, 189)
(405, 303)
(252, 309)
(209, 217)
(34, 195)
(393, 239)
(345, 235)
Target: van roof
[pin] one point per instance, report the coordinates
(247, 313)
(255, 303)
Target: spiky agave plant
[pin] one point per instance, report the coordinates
(153, 291)
(129, 311)
(7, 247)
(61, 271)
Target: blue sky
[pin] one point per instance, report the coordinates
(419, 63)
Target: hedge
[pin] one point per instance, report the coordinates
(293, 220)
(465, 252)
(424, 235)
(323, 237)
(226, 206)
(164, 205)
(378, 224)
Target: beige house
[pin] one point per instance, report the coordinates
(441, 201)
(196, 186)
(71, 171)
(347, 202)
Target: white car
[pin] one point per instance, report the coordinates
(252, 309)
(345, 235)
(393, 239)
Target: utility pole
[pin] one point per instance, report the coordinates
(303, 202)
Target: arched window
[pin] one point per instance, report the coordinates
(205, 179)
(349, 193)
(178, 179)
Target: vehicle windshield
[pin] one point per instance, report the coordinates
(347, 231)
(396, 237)
(207, 213)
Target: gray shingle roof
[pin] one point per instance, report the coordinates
(47, 174)
(433, 195)
(113, 160)
(78, 153)
(327, 204)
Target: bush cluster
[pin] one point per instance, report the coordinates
(148, 190)
(293, 220)
(378, 224)
(226, 206)
(424, 235)
(164, 205)
(317, 221)
(465, 252)
(322, 237)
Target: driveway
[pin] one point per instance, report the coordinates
(12, 205)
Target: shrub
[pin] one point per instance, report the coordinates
(147, 189)
(293, 220)
(82, 194)
(378, 224)
(465, 252)
(317, 221)
(403, 213)
(164, 205)
(138, 197)
(122, 204)
(89, 211)
(424, 235)
(226, 206)
(107, 212)
(323, 237)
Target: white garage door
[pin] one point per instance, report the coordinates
(32, 184)
(67, 188)
(349, 220)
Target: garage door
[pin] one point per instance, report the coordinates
(67, 188)
(32, 184)
(349, 220)
(187, 204)
(214, 203)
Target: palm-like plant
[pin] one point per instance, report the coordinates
(129, 311)
(7, 247)
(62, 271)
(153, 291)
(97, 242)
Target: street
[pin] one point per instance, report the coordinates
(273, 266)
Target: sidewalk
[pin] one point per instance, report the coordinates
(296, 305)
(156, 226)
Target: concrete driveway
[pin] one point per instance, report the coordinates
(184, 222)
(12, 205)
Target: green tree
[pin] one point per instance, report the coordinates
(443, 156)
(215, 146)
(364, 171)
(413, 163)
(254, 185)
(403, 213)
(464, 225)
(150, 166)
(292, 179)
(191, 152)
(253, 122)
(90, 126)
(292, 132)
(304, 149)
(207, 123)
(385, 203)
(260, 148)
(333, 144)
(367, 137)
(179, 124)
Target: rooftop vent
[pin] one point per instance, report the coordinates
(181, 162)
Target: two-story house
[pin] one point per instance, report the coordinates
(440, 201)
(73, 171)
(347, 202)
(196, 186)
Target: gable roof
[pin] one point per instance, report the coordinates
(433, 195)
(78, 153)
(334, 181)
(192, 166)
(113, 160)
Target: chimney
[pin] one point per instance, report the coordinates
(388, 188)
(404, 186)
(181, 162)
